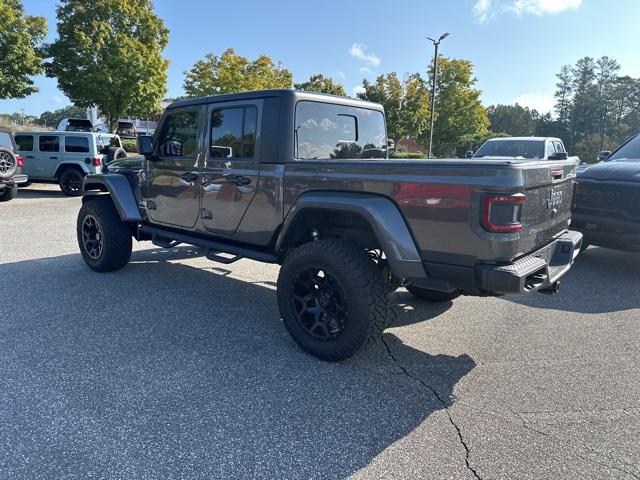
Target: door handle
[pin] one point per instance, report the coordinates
(29, 156)
(53, 158)
(238, 180)
(189, 177)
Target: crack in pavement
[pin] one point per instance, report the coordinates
(440, 399)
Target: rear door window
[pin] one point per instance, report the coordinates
(76, 144)
(233, 132)
(325, 131)
(25, 143)
(49, 143)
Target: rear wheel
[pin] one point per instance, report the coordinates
(104, 240)
(8, 193)
(71, 181)
(8, 163)
(432, 295)
(332, 299)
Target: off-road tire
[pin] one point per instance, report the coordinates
(115, 235)
(8, 163)
(71, 182)
(366, 297)
(115, 153)
(434, 296)
(8, 193)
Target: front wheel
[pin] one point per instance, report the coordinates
(435, 296)
(332, 299)
(104, 239)
(71, 182)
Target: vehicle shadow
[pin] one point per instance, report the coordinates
(600, 281)
(174, 371)
(54, 192)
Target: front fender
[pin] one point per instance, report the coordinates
(120, 190)
(381, 213)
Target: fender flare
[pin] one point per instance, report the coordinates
(381, 213)
(120, 190)
(61, 166)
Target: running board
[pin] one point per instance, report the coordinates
(164, 238)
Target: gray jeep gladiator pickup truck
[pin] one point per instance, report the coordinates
(303, 180)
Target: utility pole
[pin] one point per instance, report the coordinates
(436, 43)
(22, 110)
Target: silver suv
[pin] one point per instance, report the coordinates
(66, 158)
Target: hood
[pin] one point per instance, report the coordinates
(617, 171)
(126, 164)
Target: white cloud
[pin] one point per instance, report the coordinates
(356, 90)
(56, 99)
(542, 102)
(340, 75)
(359, 51)
(486, 10)
(365, 70)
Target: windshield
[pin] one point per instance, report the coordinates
(104, 142)
(533, 149)
(628, 151)
(79, 126)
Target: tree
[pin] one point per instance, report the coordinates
(406, 104)
(513, 120)
(20, 55)
(52, 119)
(563, 94)
(231, 72)
(109, 54)
(459, 111)
(322, 84)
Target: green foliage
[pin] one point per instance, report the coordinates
(20, 55)
(407, 155)
(322, 84)
(587, 148)
(109, 54)
(514, 120)
(16, 119)
(231, 72)
(459, 111)
(52, 119)
(129, 145)
(406, 104)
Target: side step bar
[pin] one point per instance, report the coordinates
(169, 239)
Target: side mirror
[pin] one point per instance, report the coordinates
(468, 154)
(144, 144)
(559, 156)
(602, 156)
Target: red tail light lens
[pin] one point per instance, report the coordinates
(96, 161)
(19, 161)
(502, 213)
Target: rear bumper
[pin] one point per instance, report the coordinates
(608, 232)
(539, 270)
(15, 180)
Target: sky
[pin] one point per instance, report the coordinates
(516, 46)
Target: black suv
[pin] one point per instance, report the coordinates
(10, 165)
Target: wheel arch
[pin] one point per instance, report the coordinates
(118, 188)
(370, 213)
(75, 165)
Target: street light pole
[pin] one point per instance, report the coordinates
(436, 43)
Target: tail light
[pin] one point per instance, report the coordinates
(19, 161)
(96, 161)
(502, 213)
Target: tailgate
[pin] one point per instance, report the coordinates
(549, 189)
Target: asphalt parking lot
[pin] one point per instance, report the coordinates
(176, 367)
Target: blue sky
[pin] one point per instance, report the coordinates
(517, 46)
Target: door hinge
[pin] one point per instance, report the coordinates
(207, 214)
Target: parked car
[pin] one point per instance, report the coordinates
(75, 125)
(533, 148)
(10, 166)
(126, 129)
(607, 207)
(66, 158)
(279, 176)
